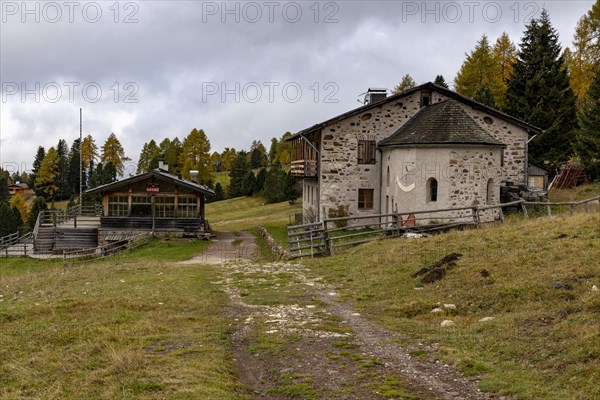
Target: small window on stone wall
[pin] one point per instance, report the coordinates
(489, 198)
(365, 199)
(387, 177)
(366, 151)
(432, 190)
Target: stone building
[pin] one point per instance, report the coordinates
(427, 148)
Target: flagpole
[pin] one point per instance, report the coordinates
(80, 161)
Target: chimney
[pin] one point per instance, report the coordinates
(374, 95)
(163, 166)
(193, 175)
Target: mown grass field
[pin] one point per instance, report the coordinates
(137, 326)
(534, 278)
(244, 213)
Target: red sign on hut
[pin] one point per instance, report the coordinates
(152, 188)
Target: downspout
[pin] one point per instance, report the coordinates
(380, 178)
(527, 159)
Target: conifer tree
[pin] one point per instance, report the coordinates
(406, 83)
(46, 177)
(239, 170)
(440, 81)
(480, 68)
(113, 153)
(539, 93)
(587, 145)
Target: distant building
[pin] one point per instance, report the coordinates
(19, 188)
(156, 201)
(427, 148)
(537, 177)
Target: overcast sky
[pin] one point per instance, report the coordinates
(239, 70)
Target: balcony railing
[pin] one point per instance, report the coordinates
(305, 168)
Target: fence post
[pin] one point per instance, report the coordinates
(549, 208)
(501, 214)
(524, 207)
(475, 215)
(328, 247)
(571, 206)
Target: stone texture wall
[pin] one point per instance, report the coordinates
(462, 174)
(515, 139)
(341, 176)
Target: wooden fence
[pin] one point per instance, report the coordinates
(323, 238)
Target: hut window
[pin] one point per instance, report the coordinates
(365, 199)
(489, 198)
(366, 151)
(164, 207)
(432, 190)
(118, 206)
(187, 207)
(141, 206)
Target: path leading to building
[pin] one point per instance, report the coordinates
(293, 336)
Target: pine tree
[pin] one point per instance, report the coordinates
(440, 81)
(248, 184)
(195, 155)
(273, 151)
(480, 68)
(539, 93)
(113, 153)
(18, 202)
(484, 95)
(405, 84)
(37, 162)
(74, 168)
(39, 205)
(62, 172)
(148, 157)
(588, 135)
(228, 156)
(505, 55)
(4, 192)
(260, 180)
(584, 60)
(275, 185)
(8, 225)
(219, 193)
(239, 170)
(46, 177)
(89, 151)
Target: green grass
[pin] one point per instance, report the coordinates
(223, 178)
(244, 213)
(543, 343)
(136, 326)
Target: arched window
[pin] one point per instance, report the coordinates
(489, 198)
(388, 176)
(432, 189)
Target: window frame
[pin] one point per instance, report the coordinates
(366, 152)
(366, 197)
(432, 190)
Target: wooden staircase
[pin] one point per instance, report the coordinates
(58, 231)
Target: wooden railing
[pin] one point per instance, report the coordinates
(305, 168)
(322, 238)
(98, 253)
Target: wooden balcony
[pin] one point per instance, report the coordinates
(305, 168)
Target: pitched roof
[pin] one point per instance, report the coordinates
(426, 86)
(156, 173)
(441, 123)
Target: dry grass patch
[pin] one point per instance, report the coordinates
(134, 327)
(534, 278)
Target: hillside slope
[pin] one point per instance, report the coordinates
(533, 278)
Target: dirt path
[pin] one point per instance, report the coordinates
(294, 337)
(227, 246)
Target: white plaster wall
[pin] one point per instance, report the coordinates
(462, 174)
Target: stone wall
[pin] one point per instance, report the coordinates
(515, 138)
(341, 176)
(462, 174)
(277, 249)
